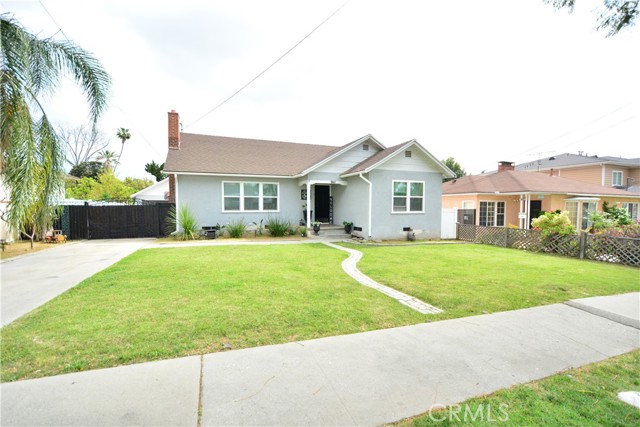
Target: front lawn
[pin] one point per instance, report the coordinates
(583, 397)
(164, 303)
(465, 280)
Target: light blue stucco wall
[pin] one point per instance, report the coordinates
(351, 203)
(203, 195)
(388, 225)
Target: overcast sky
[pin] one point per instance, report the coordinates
(481, 81)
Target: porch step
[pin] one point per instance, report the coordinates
(333, 231)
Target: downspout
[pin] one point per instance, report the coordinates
(370, 199)
(604, 168)
(177, 205)
(308, 219)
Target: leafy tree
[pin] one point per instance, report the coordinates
(32, 157)
(137, 183)
(124, 135)
(87, 169)
(156, 170)
(109, 160)
(618, 215)
(455, 168)
(82, 144)
(617, 14)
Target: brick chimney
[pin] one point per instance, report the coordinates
(174, 144)
(174, 130)
(506, 166)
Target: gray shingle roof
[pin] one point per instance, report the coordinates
(241, 156)
(568, 159)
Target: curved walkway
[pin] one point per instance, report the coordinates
(349, 266)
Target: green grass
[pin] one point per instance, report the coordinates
(584, 397)
(466, 280)
(164, 303)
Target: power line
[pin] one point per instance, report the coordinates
(54, 21)
(577, 129)
(268, 68)
(601, 130)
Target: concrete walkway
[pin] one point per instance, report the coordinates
(31, 280)
(361, 379)
(349, 267)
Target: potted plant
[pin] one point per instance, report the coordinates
(348, 226)
(316, 227)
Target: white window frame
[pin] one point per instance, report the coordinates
(494, 222)
(408, 196)
(470, 203)
(633, 212)
(613, 178)
(261, 197)
(575, 220)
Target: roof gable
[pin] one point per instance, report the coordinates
(386, 155)
(342, 151)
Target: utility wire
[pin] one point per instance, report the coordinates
(54, 21)
(578, 128)
(268, 68)
(600, 131)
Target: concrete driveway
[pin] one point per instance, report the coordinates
(30, 281)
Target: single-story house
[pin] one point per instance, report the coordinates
(158, 192)
(384, 192)
(511, 197)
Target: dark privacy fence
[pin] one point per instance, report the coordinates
(620, 250)
(113, 222)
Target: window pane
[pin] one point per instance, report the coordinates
(399, 189)
(572, 208)
(269, 190)
(416, 204)
(617, 178)
(483, 213)
(251, 189)
(251, 204)
(270, 204)
(399, 204)
(232, 203)
(417, 189)
(231, 188)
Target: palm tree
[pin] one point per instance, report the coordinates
(108, 159)
(124, 135)
(32, 160)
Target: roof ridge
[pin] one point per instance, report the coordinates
(258, 139)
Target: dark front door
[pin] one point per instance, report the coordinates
(322, 204)
(535, 208)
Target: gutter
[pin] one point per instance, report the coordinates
(370, 196)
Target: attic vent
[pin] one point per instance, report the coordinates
(365, 147)
(407, 153)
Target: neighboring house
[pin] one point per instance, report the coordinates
(605, 171)
(383, 191)
(158, 192)
(510, 197)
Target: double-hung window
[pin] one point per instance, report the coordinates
(632, 210)
(250, 196)
(408, 196)
(492, 214)
(616, 179)
(588, 208)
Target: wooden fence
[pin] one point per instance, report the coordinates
(113, 222)
(620, 250)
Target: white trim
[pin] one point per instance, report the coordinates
(260, 196)
(408, 197)
(234, 175)
(446, 172)
(473, 204)
(321, 182)
(632, 196)
(370, 202)
(604, 173)
(345, 149)
(613, 173)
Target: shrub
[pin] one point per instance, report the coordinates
(629, 230)
(236, 229)
(554, 223)
(303, 231)
(278, 227)
(187, 226)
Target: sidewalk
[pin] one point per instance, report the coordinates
(361, 379)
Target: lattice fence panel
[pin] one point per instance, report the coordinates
(467, 232)
(491, 236)
(526, 240)
(620, 250)
(562, 245)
